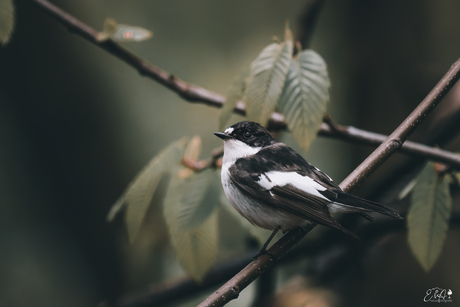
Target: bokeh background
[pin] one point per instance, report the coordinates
(77, 124)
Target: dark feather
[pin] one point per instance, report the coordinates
(288, 198)
(362, 203)
(367, 216)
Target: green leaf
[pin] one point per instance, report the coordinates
(6, 20)
(305, 96)
(196, 248)
(139, 192)
(123, 33)
(191, 198)
(266, 80)
(235, 93)
(428, 216)
(192, 221)
(457, 177)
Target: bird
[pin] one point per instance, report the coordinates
(275, 188)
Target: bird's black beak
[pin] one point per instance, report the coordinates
(223, 136)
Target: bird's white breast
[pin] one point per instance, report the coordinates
(260, 215)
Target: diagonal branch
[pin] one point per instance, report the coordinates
(245, 277)
(189, 92)
(197, 94)
(399, 136)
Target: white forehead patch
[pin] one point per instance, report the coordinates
(229, 130)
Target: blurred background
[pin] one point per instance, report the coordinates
(77, 124)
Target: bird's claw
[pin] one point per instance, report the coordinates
(263, 251)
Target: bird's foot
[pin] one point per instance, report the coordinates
(264, 251)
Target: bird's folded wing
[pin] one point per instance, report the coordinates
(286, 196)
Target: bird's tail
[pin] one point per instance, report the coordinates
(358, 202)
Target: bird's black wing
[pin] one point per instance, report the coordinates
(280, 157)
(256, 176)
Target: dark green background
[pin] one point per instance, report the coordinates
(76, 124)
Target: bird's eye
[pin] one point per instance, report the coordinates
(247, 135)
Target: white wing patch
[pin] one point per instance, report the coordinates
(304, 183)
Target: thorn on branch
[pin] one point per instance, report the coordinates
(396, 143)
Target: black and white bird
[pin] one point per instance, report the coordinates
(273, 186)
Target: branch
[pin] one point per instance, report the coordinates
(245, 277)
(360, 136)
(194, 93)
(189, 92)
(308, 20)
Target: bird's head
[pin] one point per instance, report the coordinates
(249, 133)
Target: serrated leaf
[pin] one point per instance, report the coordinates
(139, 192)
(305, 96)
(266, 80)
(192, 221)
(123, 33)
(259, 233)
(6, 20)
(428, 216)
(196, 248)
(235, 93)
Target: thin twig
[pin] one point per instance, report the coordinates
(189, 92)
(308, 21)
(359, 136)
(231, 289)
(194, 93)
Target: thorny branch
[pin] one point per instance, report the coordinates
(194, 93)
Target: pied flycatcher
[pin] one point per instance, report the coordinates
(273, 186)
